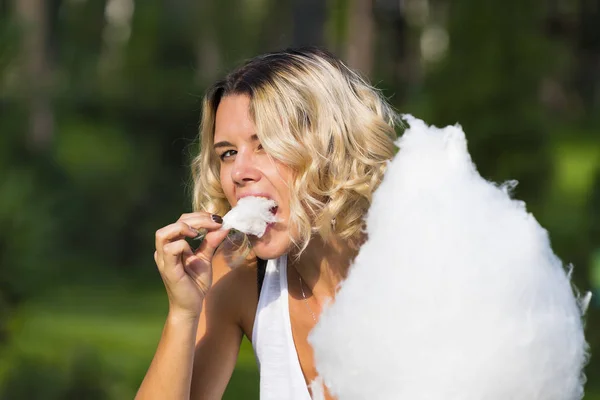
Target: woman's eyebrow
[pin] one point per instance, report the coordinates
(222, 144)
(253, 138)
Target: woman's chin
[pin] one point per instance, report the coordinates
(270, 246)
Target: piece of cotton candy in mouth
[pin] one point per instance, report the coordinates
(251, 215)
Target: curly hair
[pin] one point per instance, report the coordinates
(317, 116)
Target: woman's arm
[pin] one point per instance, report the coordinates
(220, 328)
(196, 356)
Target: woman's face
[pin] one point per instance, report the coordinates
(247, 170)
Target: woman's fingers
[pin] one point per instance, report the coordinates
(172, 232)
(187, 275)
(201, 221)
(173, 254)
(209, 245)
(186, 226)
(173, 250)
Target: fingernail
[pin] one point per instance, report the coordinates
(217, 219)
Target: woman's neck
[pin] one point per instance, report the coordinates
(323, 266)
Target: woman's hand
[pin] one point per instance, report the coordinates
(187, 274)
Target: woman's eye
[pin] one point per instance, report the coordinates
(227, 154)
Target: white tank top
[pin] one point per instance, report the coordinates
(280, 372)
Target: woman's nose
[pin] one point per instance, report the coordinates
(244, 169)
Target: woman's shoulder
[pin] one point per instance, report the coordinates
(235, 268)
(235, 284)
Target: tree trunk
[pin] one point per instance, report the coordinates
(275, 29)
(33, 15)
(308, 22)
(33, 44)
(588, 74)
(359, 48)
(208, 56)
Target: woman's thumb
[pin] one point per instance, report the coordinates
(211, 241)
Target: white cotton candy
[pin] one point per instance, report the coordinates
(250, 216)
(456, 295)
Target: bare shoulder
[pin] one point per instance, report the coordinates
(234, 289)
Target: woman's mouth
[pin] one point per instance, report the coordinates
(274, 212)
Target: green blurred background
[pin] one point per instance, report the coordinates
(99, 107)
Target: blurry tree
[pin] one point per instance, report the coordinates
(209, 57)
(360, 44)
(83, 377)
(394, 55)
(588, 48)
(489, 80)
(594, 213)
(100, 102)
(274, 28)
(593, 242)
(309, 18)
(34, 17)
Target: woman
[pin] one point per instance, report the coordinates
(302, 129)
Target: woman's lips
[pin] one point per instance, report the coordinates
(274, 212)
(263, 195)
(271, 224)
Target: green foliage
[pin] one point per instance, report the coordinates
(489, 82)
(9, 42)
(337, 28)
(82, 378)
(28, 234)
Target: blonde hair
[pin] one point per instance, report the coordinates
(317, 116)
